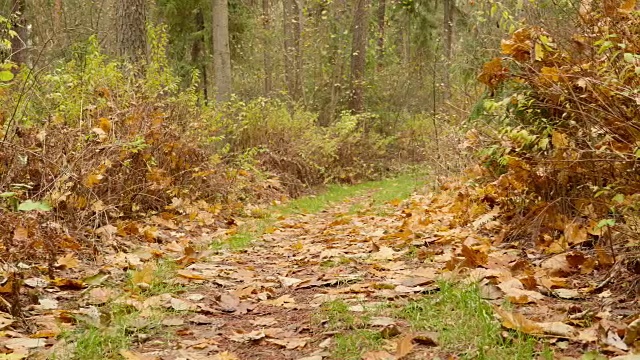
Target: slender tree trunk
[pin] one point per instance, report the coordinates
(359, 55)
(19, 44)
(448, 44)
(292, 13)
(405, 39)
(381, 15)
(221, 51)
(197, 50)
(338, 48)
(268, 67)
(57, 20)
(131, 29)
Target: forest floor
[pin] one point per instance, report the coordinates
(362, 272)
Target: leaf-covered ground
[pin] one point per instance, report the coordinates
(363, 273)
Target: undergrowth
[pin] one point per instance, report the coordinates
(94, 141)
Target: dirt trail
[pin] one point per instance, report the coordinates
(264, 302)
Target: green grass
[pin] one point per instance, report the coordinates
(95, 342)
(163, 280)
(382, 192)
(352, 345)
(353, 338)
(397, 188)
(467, 328)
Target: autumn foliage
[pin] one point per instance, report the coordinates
(563, 164)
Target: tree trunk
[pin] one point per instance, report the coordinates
(266, 27)
(57, 19)
(338, 61)
(197, 50)
(19, 44)
(359, 55)
(381, 15)
(292, 13)
(131, 29)
(448, 43)
(221, 51)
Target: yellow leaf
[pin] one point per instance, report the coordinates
(550, 74)
(68, 261)
(628, 6)
(143, 276)
(130, 355)
(559, 140)
(539, 50)
(93, 180)
(105, 125)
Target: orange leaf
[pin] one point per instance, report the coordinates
(628, 6)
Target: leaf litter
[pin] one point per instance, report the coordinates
(262, 302)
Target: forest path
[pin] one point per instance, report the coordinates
(363, 277)
(309, 279)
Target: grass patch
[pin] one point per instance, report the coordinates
(162, 280)
(118, 329)
(384, 191)
(352, 345)
(467, 328)
(336, 315)
(355, 339)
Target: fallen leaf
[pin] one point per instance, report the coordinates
(378, 355)
(290, 343)
(130, 355)
(404, 346)
(263, 321)
(173, 321)
(228, 302)
(26, 343)
(567, 293)
(99, 296)
(289, 282)
(516, 321)
(144, 276)
(181, 305)
(281, 301)
(68, 261)
(5, 320)
(225, 356)
(190, 274)
(48, 304)
(385, 253)
(241, 336)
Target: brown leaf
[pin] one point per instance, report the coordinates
(225, 356)
(130, 355)
(378, 355)
(404, 346)
(290, 343)
(516, 321)
(575, 233)
(228, 302)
